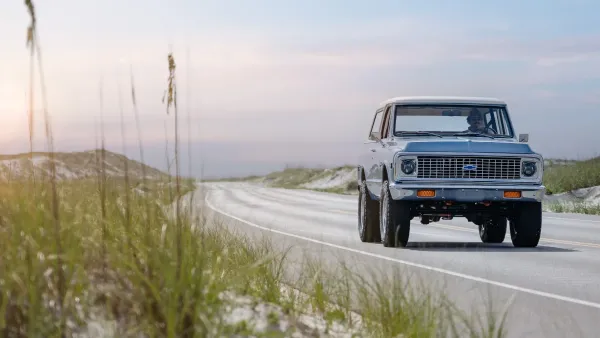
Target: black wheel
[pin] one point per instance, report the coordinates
(394, 222)
(493, 230)
(526, 225)
(368, 216)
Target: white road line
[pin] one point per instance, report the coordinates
(422, 266)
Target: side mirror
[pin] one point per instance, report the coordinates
(524, 138)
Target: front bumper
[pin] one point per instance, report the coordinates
(467, 193)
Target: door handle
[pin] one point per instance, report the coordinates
(373, 149)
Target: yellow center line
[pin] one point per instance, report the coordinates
(453, 227)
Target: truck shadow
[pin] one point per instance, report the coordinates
(478, 246)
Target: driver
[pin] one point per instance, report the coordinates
(476, 124)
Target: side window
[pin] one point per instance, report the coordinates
(498, 121)
(502, 123)
(376, 126)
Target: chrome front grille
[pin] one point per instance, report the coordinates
(461, 167)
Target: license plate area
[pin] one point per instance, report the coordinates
(468, 195)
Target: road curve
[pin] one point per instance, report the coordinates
(556, 286)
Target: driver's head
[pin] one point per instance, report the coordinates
(475, 120)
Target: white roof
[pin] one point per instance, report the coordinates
(442, 99)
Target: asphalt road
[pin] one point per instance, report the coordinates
(555, 287)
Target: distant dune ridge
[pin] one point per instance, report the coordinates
(73, 165)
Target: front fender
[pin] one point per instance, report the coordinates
(387, 169)
(380, 174)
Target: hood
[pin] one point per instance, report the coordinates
(468, 146)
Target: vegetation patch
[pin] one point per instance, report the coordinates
(565, 176)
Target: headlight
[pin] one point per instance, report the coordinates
(528, 168)
(405, 166)
(408, 166)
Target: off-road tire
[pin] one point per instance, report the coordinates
(493, 230)
(368, 215)
(526, 225)
(394, 220)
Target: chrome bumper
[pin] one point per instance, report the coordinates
(467, 193)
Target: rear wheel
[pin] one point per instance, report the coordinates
(526, 225)
(368, 215)
(493, 230)
(394, 220)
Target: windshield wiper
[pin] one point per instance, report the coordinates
(419, 133)
(472, 133)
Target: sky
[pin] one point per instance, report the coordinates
(272, 83)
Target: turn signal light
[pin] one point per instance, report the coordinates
(426, 193)
(512, 194)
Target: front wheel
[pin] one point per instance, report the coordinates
(526, 225)
(394, 223)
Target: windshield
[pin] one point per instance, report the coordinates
(449, 120)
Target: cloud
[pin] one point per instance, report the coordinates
(558, 61)
(541, 52)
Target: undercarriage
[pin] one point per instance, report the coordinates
(493, 219)
(475, 212)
